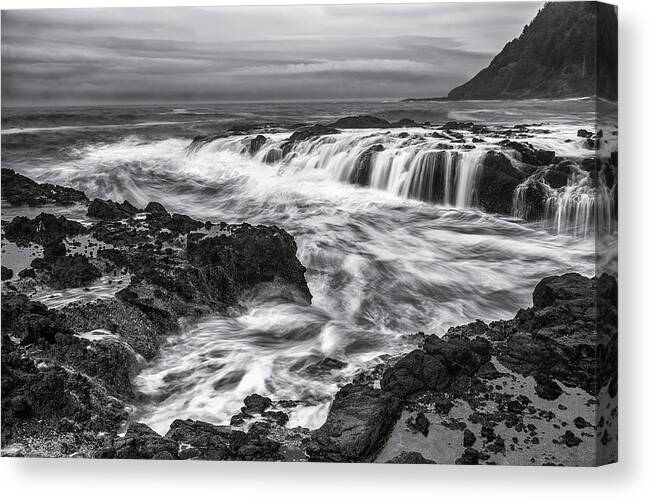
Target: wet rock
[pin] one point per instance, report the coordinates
(470, 456)
(454, 125)
(410, 457)
(117, 317)
(272, 156)
(256, 403)
(497, 182)
(361, 121)
(140, 441)
(29, 321)
(20, 190)
(210, 442)
(488, 371)
(584, 133)
(7, 273)
(405, 122)
(256, 143)
(324, 366)
(42, 229)
(53, 396)
(415, 372)
(277, 417)
(111, 210)
(529, 154)
(362, 167)
(358, 423)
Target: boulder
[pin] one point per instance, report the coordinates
(140, 441)
(497, 182)
(358, 423)
(256, 143)
(7, 273)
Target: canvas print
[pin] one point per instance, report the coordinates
(338, 233)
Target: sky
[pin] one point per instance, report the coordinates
(200, 54)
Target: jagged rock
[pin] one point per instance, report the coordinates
(410, 457)
(570, 439)
(140, 441)
(42, 229)
(529, 154)
(28, 320)
(358, 423)
(498, 180)
(361, 121)
(20, 190)
(111, 210)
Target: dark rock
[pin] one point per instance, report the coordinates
(415, 372)
(584, 133)
(497, 182)
(581, 423)
(140, 441)
(7, 273)
(419, 424)
(547, 388)
(272, 156)
(570, 439)
(453, 125)
(27, 273)
(358, 423)
(405, 122)
(110, 210)
(469, 438)
(20, 190)
(488, 371)
(410, 457)
(470, 456)
(277, 417)
(42, 229)
(29, 321)
(362, 121)
(72, 272)
(326, 365)
(153, 207)
(362, 167)
(529, 154)
(256, 143)
(256, 403)
(312, 131)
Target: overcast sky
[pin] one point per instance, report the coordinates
(82, 56)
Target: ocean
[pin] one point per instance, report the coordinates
(401, 255)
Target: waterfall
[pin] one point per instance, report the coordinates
(419, 166)
(585, 206)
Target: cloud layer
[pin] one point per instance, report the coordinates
(83, 56)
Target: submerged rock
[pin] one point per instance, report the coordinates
(362, 167)
(7, 273)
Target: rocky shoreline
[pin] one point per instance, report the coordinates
(480, 394)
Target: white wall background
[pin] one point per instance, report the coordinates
(630, 478)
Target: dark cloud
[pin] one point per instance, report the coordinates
(66, 56)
